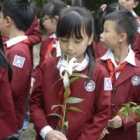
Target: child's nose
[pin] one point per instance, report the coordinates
(101, 35)
(43, 23)
(70, 46)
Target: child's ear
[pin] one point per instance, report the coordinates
(122, 37)
(8, 21)
(90, 39)
(135, 4)
(56, 19)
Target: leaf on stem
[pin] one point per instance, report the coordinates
(54, 106)
(54, 114)
(79, 75)
(73, 79)
(75, 109)
(66, 124)
(74, 100)
(129, 108)
(66, 95)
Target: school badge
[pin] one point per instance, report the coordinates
(135, 80)
(18, 61)
(90, 86)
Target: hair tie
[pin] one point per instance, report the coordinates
(103, 7)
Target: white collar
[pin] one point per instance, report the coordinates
(83, 64)
(15, 40)
(80, 67)
(56, 45)
(53, 35)
(130, 58)
(134, 14)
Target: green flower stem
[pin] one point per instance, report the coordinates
(63, 118)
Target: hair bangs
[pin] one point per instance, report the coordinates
(70, 25)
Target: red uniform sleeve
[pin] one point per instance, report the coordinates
(137, 46)
(36, 104)
(7, 111)
(34, 33)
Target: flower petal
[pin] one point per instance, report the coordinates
(62, 69)
(66, 80)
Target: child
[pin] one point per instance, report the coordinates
(16, 18)
(99, 19)
(50, 45)
(120, 28)
(34, 37)
(75, 34)
(33, 34)
(7, 111)
(130, 5)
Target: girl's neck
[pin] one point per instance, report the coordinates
(120, 53)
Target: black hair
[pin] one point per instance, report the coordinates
(137, 0)
(0, 5)
(70, 22)
(53, 8)
(4, 62)
(20, 11)
(100, 17)
(125, 23)
(74, 3)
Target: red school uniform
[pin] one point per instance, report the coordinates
(136, 41)
(49, 48)
(19, 55)
(82, 126)
(98, 49)
(8, 121)
(34, 35)
(126, 88)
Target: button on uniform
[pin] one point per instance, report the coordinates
(112, 105)
(114, 90)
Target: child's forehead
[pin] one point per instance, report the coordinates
(46, 15)
(110, 23)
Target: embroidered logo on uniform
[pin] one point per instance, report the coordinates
(135, 80)
(90, 86)
(107, 84)
(18, 61)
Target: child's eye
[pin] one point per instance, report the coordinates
(78, 41)
(64, 39)
(105, 30)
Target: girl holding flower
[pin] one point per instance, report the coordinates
(85, 120)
